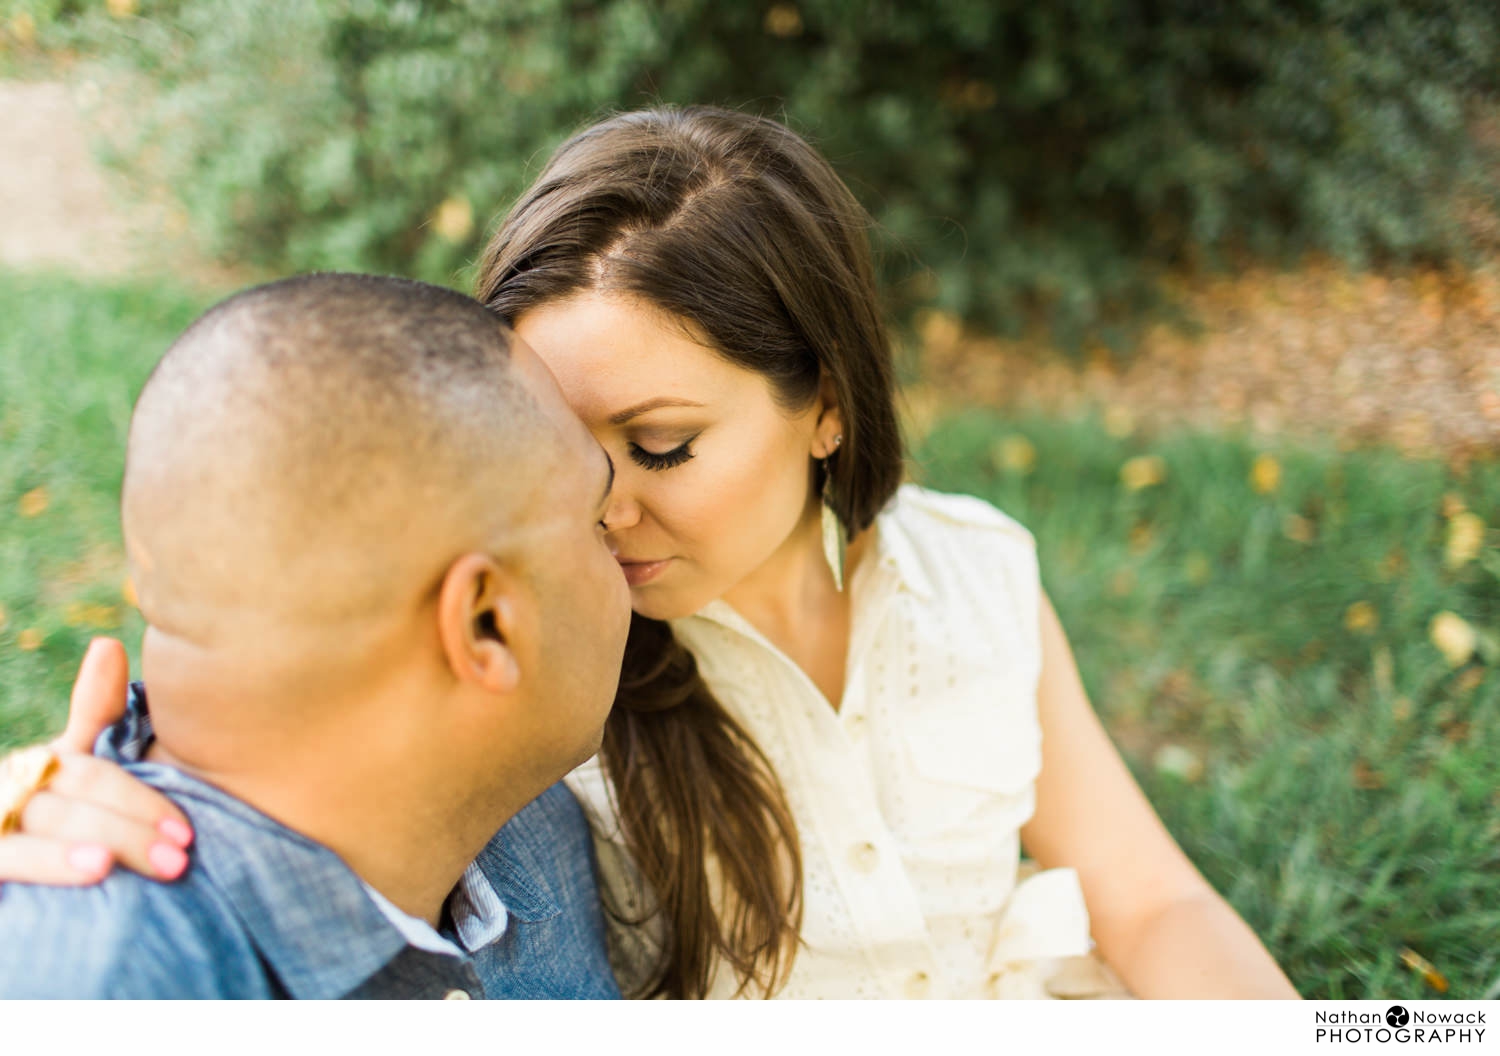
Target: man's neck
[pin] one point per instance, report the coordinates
(409, 845)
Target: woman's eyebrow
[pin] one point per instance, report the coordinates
(650, 405)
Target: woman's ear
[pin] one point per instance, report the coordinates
(477, 613)
(829, 433)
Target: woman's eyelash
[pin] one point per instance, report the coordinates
(667, 460)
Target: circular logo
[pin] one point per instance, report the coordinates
(1397, 1016)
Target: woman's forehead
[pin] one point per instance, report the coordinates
(611, 354)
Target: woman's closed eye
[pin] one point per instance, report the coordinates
(661, 460)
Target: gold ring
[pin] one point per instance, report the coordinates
(23, 774)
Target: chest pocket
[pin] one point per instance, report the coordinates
(970, 771)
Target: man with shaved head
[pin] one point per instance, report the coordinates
(381, 618)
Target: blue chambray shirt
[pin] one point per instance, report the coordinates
(266, 912)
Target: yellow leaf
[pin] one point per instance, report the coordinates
(1298, 529)
(127, 591)
(1014, 453)
(1465, 539)
(34, 503)
(23, 28)
(1454, 638)
(1265, 474)
(1143, 471)
(122, 8)
(454, 218)
(4, 618)
(1361, 617)
(1453, 504)
(30, 640)
(783, 20)
(1423, 967)
(1119, 421)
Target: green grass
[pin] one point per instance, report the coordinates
(72, 358)
(1347, 802)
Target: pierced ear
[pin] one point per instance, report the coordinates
(477, 610)
(829, 434)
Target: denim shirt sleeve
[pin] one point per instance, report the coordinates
(125, 938)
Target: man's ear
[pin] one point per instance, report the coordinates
(829, 433)
(478, 608)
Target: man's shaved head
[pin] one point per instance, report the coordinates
(319, 448)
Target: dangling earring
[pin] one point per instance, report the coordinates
(835, 543)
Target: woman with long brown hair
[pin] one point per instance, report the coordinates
(846, 703)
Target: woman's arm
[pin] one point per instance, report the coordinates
(93, 814)
(1157, 922)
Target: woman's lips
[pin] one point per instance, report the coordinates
(639, 573)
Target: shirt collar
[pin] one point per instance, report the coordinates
(893, 553)
(309, 914)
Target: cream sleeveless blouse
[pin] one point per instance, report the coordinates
(909, 799)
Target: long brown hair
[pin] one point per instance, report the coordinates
(735, 224)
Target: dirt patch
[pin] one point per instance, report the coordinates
(1412, 360)
(57, 207)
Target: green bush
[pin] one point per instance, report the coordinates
(1023, 160)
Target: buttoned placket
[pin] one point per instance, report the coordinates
(879, 894)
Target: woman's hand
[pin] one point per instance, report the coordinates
(93, 814)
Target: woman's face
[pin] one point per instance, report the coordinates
(712, 476)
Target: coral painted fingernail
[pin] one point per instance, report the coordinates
(167, 860)
(90, 859)
(175, 831)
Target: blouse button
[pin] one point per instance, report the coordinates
(865, 857)
(457, 995)
(918, 986)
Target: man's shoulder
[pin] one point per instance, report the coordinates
(127, 937)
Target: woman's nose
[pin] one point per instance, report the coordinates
(622, 512)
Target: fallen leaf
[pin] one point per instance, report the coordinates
(4, 618)
(1265, 474)
(1454, 638)
(1366, 777)
(23, 28)
(1143, 471)
(1122, 582)
(1013, 453)
(1119, 421)
(122, 8)
(1401, 709)
(29, 640)
(1453, 504)
(1465, 539)
(34, 503)
(1423, 967)
(127, 591)
(1298, 529)
(1361, 618)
